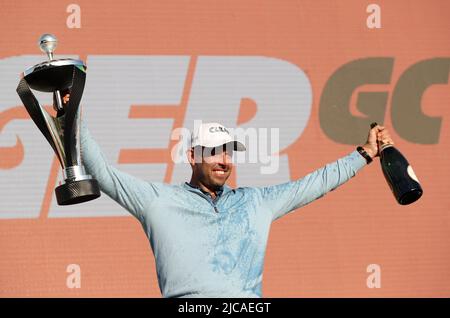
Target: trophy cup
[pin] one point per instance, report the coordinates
(62, 131)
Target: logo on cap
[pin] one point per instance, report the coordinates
(218, 129)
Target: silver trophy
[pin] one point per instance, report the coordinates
(60, 77)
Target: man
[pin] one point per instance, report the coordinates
(208, 239)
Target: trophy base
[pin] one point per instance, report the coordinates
(73, 192)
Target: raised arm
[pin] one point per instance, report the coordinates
(130, 192)
(286, 197)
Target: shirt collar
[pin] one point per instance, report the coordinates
(221, 191)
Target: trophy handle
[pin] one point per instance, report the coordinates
(41, 118)
(72, 122)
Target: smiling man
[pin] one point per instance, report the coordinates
(210, 157)
(209, 240)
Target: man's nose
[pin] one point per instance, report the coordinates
(226, 158)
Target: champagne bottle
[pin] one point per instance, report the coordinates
(399, 174)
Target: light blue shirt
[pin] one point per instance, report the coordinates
(205, 247)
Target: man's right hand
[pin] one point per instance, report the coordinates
(65, 98)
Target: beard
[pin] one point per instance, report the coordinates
(218, 181)
(210, 177)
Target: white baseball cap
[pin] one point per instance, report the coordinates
(213, 135)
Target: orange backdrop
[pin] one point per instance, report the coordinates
(321, 250)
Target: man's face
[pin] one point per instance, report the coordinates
(212, 166)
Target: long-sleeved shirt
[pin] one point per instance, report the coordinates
(206, 247)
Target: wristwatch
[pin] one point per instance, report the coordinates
(364, 153)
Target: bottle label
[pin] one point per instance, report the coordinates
(412, 174)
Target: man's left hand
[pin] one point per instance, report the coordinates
(378, 135)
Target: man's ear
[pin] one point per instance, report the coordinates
(190, 156)
(195, 155)
(190, 153)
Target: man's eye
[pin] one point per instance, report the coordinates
(217, 150)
